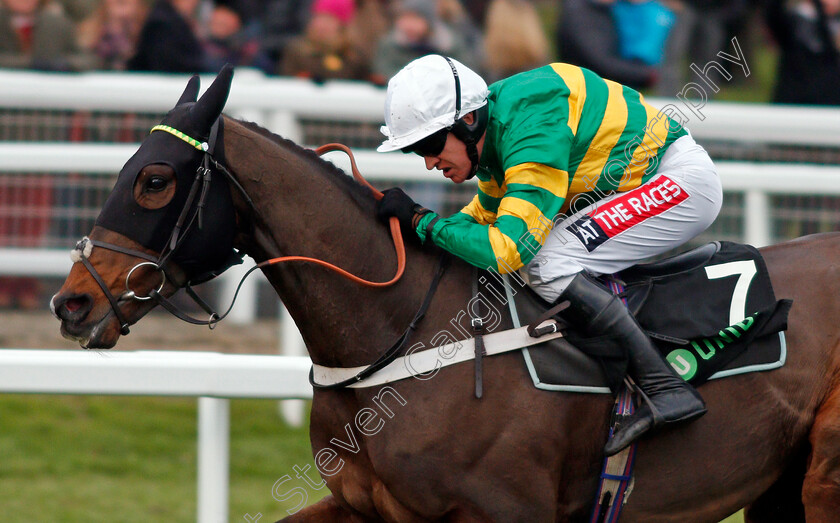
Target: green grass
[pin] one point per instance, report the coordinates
(128, 459)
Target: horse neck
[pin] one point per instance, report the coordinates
(303, 209)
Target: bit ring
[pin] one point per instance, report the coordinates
(128, 278)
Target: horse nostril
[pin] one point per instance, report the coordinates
(73, 307)
(73, 304)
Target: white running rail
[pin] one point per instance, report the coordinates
(213, 378)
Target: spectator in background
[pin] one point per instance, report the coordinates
(477, 10)
(588, 37)
(325, 51)
(458, 21)
(233, 39)
(417, 31)
(643, 27)
(111, 33)
(514, 39)
(248, 10)
(36, 34)
(369, 26)
(79, 10)
(700, 31)
(282, 22)
(169, 40)
(808, 34)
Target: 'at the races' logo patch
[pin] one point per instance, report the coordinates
(631, 208)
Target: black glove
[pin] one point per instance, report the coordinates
(395, 202)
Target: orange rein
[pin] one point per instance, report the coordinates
(396, 234)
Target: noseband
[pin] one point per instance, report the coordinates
(198, 195)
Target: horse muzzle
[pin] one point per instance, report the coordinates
(83, 322)
(88, 317)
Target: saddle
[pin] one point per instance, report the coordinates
(711, 312)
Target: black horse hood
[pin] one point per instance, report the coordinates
(181, 142)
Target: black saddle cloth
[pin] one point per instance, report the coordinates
(711, 312)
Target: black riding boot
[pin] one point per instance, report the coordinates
(669, 399)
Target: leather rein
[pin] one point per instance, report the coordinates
(198, 190)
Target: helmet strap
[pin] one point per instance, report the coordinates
(469, 134)
(457, 88)
(472, 152)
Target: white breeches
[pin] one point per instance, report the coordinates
(625, 228)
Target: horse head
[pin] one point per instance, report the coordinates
(166, 224)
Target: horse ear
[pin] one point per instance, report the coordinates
(209, 106)
(191, 92)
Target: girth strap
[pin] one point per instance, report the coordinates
(424, 364)
(477, 324)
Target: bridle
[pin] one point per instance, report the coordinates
(198, 194)
(202, 181)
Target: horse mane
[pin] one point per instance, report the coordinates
(358, 191)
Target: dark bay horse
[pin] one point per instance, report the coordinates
(770, 441)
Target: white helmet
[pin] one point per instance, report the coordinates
(429, 94)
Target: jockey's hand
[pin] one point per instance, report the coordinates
(395, 202)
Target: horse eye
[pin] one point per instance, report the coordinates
(156, 184)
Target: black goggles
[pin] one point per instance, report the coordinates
(431, 145)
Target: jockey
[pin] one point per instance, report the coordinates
(577, 176)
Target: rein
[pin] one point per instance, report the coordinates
(396, 233)
(84, 247)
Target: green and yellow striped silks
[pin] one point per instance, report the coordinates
(555, 133)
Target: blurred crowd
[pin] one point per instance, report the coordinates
(660, 46)
(641, 43)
